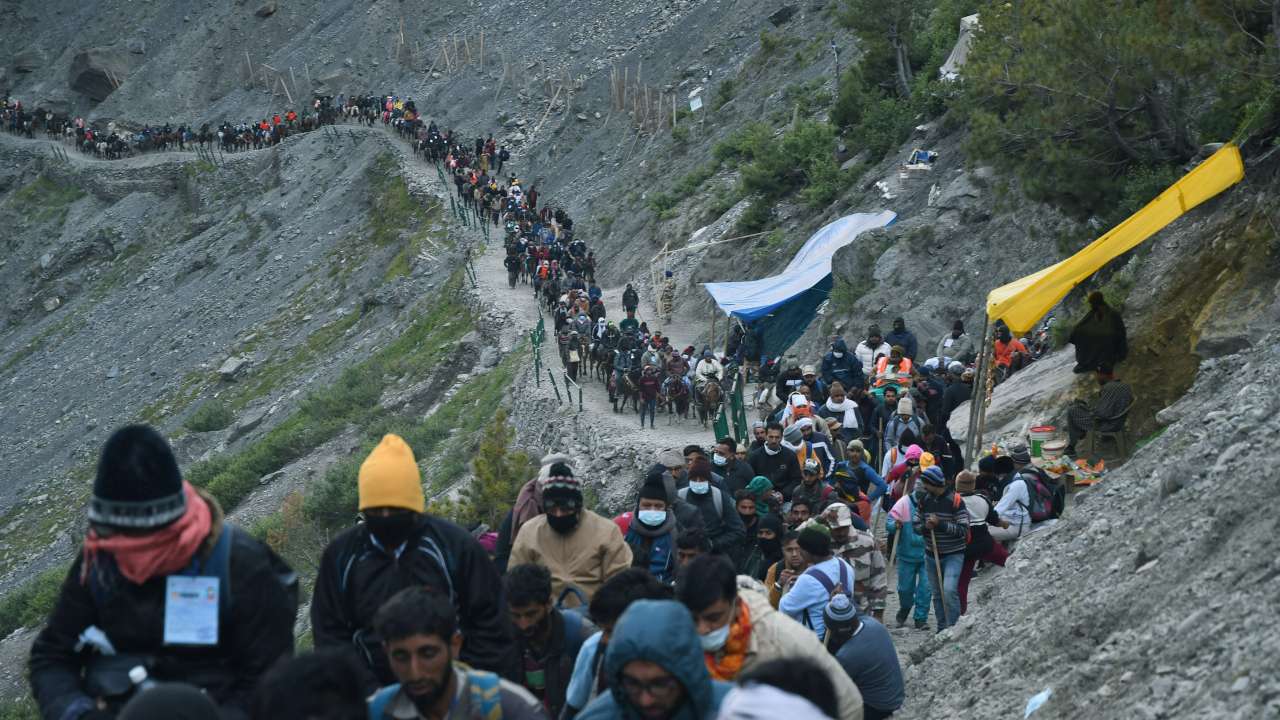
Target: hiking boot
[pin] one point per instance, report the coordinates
(922, 624)
(902, 616)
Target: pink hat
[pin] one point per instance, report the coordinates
(914, 452)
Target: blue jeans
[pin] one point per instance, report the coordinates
(913, 588)
(952, 564)
(648, 406)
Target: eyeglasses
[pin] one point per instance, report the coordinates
(663, 687)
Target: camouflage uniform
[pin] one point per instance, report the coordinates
(871, 581)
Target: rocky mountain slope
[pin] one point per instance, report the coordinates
(217, 300)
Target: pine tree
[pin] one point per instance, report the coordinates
(499, 474)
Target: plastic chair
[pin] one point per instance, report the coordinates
(1118, 437)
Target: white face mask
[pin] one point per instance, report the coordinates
(699, 487)
(714, 640)
(719, 460)
(652, 518)
(837, 355)
(771, 450)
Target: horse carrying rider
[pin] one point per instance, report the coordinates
(709, 368)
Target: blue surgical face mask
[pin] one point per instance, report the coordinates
(837, 355)
(715, 640)
(652, 518)
(719, 460)
(699, 487)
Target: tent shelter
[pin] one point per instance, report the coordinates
(780, 307)
(1021, 303)
(950, 69)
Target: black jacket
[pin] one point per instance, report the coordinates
(736, 475)
(723, 525)
(783, 470)
(255, 629)
(356, 577)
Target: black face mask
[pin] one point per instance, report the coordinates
(771, 548)
(393, 530)
(747, 519)
(563, 524)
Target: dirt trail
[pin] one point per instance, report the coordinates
(521, 308)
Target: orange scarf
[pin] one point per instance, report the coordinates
(727, 663)
(159, 553)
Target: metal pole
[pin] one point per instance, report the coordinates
(554, 386)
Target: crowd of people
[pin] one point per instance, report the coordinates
(111, 141)
(746, 579)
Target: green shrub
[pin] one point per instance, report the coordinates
(23, 708)
(757, 215)
(212, 415)
(660, 202)
(771, 44)
(742, 144)
(680, 134)
(728, 88)
(30, 604)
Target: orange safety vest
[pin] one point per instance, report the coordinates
(805, 452)
(901, 376)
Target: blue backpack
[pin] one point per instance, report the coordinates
(484, 690)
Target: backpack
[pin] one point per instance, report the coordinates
(1047, 496)
(829, 586)
(484, 691)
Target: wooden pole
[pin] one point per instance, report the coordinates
(548, 112)
(467, 46)
(482, 51)
(287, 94)
(897, 540)
(673, 112)
(937, 563)
(979, 396)
(248, 60)
(626, 75)
(293, 79)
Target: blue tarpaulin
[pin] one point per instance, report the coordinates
(779, 308)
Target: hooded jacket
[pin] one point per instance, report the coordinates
(585, 558)
(906, 339)
(661, 632)
(356, 577)
(846, 370)
(256, 627)
(775, 636)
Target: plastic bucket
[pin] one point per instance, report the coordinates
(1040, 435)
(1052, 449)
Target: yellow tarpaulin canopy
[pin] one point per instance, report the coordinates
(1023, 302)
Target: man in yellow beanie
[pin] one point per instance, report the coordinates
(396, 546)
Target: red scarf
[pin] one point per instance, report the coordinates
(164, 552)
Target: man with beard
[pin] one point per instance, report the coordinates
(399, 546)
(547, 640)
(580, 548)
(419, 631)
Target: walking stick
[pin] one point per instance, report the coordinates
(937, 562)
(897, 540)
